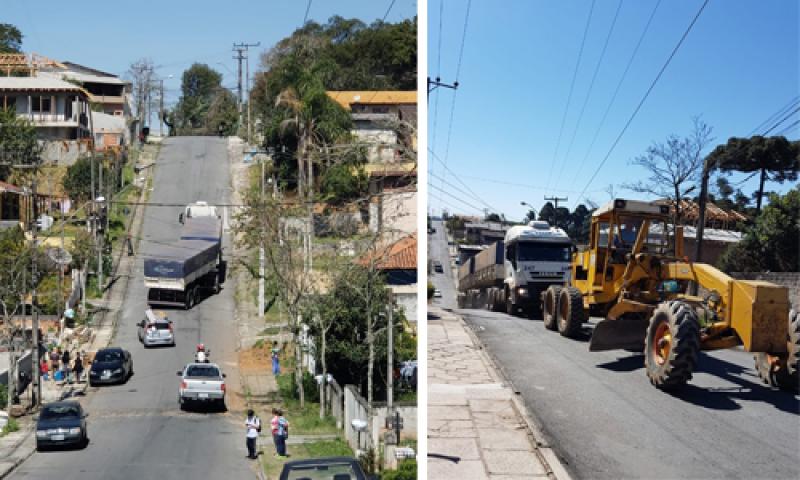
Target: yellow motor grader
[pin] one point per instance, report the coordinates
(634, 275)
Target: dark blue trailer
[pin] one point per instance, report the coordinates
(174, 273)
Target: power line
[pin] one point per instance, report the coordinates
(781, 121)
(588, 93)
(523, 185)
(775, 115)
(619, 87)
(453, 196)
(454, 175)
(796, 122)
(455, 92)
(442, 200)
(571, 88)
(647, 94)
(459, 189)
(308, 8)
(387, 11)
(438, 75)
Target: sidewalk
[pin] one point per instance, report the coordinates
(473, 415)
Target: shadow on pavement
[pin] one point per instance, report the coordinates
(726, 398)
(624, 364)
(432, 316)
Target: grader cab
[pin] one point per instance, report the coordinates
(634, 275)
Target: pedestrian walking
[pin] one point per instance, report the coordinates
(65, 364)
(276, 360)
(78, 367)
(252, 426)
(280, 432)
(55, 357)
(44, 369)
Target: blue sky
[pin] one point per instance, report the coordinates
(174, 33)
(738, 66)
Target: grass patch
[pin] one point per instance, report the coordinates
(11, 426)
(270, 331)
(324, 448)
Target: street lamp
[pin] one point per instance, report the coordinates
(526, 204)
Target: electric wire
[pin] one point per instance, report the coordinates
(446, 202)
(453, 196)
(790, 127)
(438, 75)
(455, 92)
(588, 94)
(571, 88)
(775, 115)
(647, 94)
(308, 8)
(456, 176)
(618, 88)
(388, 10)
(776, 125)
(444, 182)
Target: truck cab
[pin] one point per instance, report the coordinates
(198, 209)
(536, 256)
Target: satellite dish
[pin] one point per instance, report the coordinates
(59, 256)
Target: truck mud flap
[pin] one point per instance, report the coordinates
(622, 333)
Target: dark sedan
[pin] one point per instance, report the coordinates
(111, 365)
(61, 423)
(330, 468)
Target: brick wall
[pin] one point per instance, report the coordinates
(787, 279)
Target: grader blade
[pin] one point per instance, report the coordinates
(622, 333)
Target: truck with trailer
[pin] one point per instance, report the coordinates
(175, 273)
(511, 274)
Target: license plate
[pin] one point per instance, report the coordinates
(202, 395)
(106, 374)
(56, 438)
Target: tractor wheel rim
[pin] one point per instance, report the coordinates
(662, 343)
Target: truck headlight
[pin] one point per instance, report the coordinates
(522, 291)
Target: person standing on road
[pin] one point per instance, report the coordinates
(276, 360)
(65, 364)
(253, 426)
(43, 369)
(280, 432)
(54, 357)
(78, 367)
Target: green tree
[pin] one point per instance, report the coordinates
(203, 106)
(770, 244)
(18, 143)
(560, 218)
(10, 38)
(223, 114)
(774, 158)
(579, 222)
(78, 180)
(343, 183)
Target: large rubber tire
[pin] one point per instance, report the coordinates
(570, 313)
(785, 374)
(671, 345)
(550, 307)
(511, 307)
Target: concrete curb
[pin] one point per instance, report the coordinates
(17, 461)
(548, 457)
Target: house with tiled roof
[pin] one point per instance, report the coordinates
(398, 261)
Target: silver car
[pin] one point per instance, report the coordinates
(156, 329)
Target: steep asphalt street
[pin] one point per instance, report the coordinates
(438, 250)
(136, 430)
(602, 416)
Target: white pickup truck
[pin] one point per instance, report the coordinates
(202, 383)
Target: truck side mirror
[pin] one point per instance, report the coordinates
(180, 217)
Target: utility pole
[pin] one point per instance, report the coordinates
(555, 211)
(37, 384)
(241, 50)
(437, 82)
(161, 109)
(99, 238)
(389, 358)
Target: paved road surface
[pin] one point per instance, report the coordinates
(602, 416)
(438, 250)
(136, 430)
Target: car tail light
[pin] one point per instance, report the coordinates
(170, 327)
(183, 384)
(222, 387)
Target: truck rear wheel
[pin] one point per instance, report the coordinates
(783, 371)
(671, 345)
(511, 307)
(550, 304)
(570, 312)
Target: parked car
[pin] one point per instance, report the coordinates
(201, 383)
(328, 468)
(156, 329)
(438, 268)
(111, 365)
(61, 423)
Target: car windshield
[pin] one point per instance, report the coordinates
(108, 356)
(60, 411)
(202, 371)
(539, 252)
(335, 471)
(159, 326)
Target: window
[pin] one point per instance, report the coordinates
(539, 252)
(41, 104)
